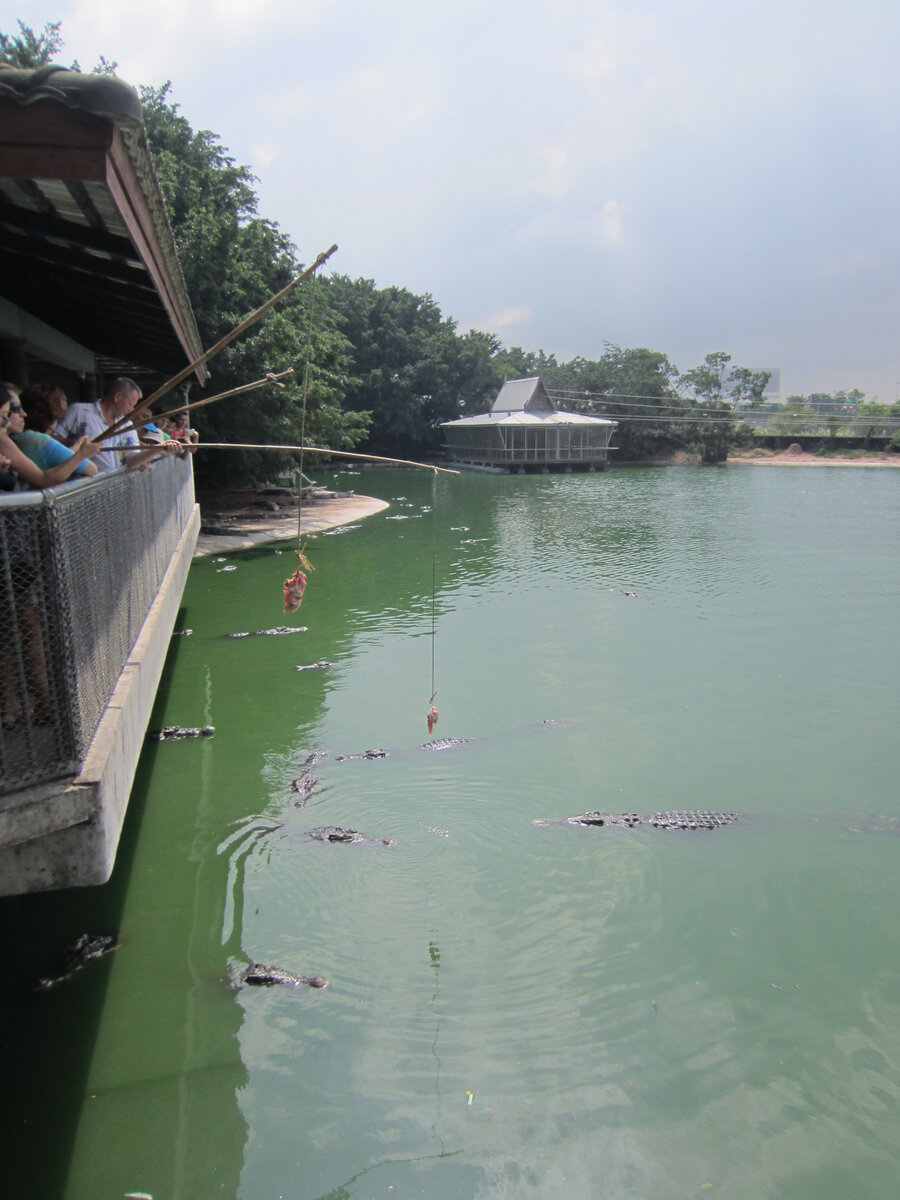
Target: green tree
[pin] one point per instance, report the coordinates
(633, 386)
(516, 363)
(747, 387)
(408, 367)
(233, 261)
(29, 49)
(707, 382)
(718, 392)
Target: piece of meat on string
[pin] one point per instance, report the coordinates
(295, 585)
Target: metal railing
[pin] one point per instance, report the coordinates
(80, 566)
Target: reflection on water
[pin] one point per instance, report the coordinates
(517, 1011)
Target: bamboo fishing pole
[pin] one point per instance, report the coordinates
(400, 462)
(220, 345)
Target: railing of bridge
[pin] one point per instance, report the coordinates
(80, 566)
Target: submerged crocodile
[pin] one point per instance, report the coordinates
(266, 975)
(449, 743)
(680, 818)
(362, 754)
(173, 732)
(445, 743)
(352, 837)
(85, 949)
(303, 787)
(275, 631)
(688, 818)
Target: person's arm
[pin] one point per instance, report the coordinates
(33, 475)
(52, 453)
(142, 458)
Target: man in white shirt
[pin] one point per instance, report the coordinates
(92, 419)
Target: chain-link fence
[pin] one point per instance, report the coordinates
(80, 566)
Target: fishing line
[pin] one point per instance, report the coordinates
(433, 712)
(295, 585)
(309, 329)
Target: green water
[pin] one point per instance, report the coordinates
(636, 1014)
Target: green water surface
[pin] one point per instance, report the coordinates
(512, 1010)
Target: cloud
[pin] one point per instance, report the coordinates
(608, 224)
(503, 320)
(264, 154)
(556, 177)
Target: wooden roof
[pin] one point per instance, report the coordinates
(85, 243)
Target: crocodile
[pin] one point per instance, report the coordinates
(687, 818)
(363, 754)
(316, 666)
(445, 743)
(684, 818)
(303, 787)
(173, 732)
(334, 833)
(266, 975)
(85, 949)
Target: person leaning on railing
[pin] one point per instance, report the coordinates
(41, 463)
(95, 418)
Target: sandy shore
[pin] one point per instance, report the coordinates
(801, 458)
(246, 520)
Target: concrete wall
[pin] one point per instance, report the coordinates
(65, 833)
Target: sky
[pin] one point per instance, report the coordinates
(686, 175)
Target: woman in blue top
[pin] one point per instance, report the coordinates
(37, 446)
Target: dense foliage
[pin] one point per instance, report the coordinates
(233, 261)
(385, 366)
(28, 49)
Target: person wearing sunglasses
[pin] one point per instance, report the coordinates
(31, 422)
(28, 472)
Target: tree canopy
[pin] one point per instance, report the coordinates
(28, 49)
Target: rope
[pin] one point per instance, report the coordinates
(309, 326)
(295, 585)
(433, 712)
(338, 454)
(433, 575)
